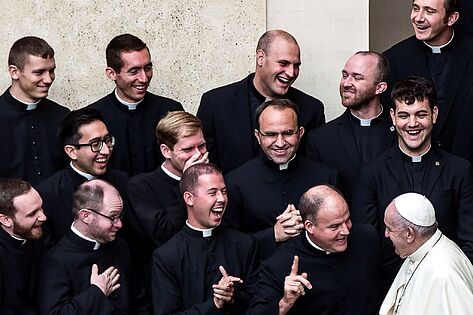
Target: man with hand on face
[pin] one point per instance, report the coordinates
(417, 165)
(131, 112)
(21, 218)
(436, 276)
(441, 55)
(204, 268)
(277, 67)
(31, 150)
(364, 131)
(333, 264)
(88, 271)
(88, 145)
(263, 192)
(155, 197)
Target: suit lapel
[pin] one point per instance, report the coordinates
(396, 168)
(459, 61)
(345, 133)
(241, 116)
(435, 167)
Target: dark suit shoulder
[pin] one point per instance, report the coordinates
(228, 89)
(326, 131)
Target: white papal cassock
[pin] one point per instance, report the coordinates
(436, 279)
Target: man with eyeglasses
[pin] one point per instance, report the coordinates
(263, 193)
(88, 145)
(88, 271)
(130, 111)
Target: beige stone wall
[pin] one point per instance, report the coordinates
(195, 45)
(328, 31)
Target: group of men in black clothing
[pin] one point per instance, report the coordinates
(115, 209)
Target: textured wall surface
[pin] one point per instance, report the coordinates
(328, 31)
(195, 45)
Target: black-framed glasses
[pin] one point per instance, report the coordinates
(273, 135)
(97, 145)
(113, 219)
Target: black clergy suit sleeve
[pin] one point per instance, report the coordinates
(159, 222)
(57, 299)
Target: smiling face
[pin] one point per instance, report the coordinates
(207, 203)
(29, 216)
(134, 77)
(93, 163)
(186, 146)
(283, 122)
(277, 68)
(332, 224)
(395, 233)
(414, 125)
(358, 85)
(430, 23)
(33, 82)
(102, 229)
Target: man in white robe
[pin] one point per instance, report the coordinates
(436, 277)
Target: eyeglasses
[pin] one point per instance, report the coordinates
(113, 219)
(273, 135)
(97, 145)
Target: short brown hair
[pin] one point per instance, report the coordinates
(10, 188)
(278, 104)
(120, 44)
(382, 66)
(28, 46)
(190, 178)
(176, 124)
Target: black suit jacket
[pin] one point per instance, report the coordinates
(409, 58)
(334, 145)
(449, 188)
(227, 120)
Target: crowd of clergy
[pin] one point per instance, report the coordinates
(256, 205)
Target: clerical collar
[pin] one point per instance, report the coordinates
(22, 240)
(315, 245)
(29, 106)
(205, 232)
(426, 247)
(168, 173)
(367, 122)
(78, 233)
(131, 106)
(84, 174)
(284, 166)
(440, 49)
(416, 158)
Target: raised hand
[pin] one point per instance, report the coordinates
(289, 224)
(224, 290)
(294, 287)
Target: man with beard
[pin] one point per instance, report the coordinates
(31, 150)
(21, 217)
(441, 55)
(364, 131)
(331, 268)
(88, 271)
(130, 111)
(228, 112)
(415, 165)
(263, 193)
(204, 268)
(88, 145)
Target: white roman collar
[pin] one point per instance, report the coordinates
(169, 173)
(438, 49)
(205, 232)
(86, 175)
(284, 166)
(367, 122)
(131, 106)
(78, 233)
(416, 158)
(315, 245)
(29, 106)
